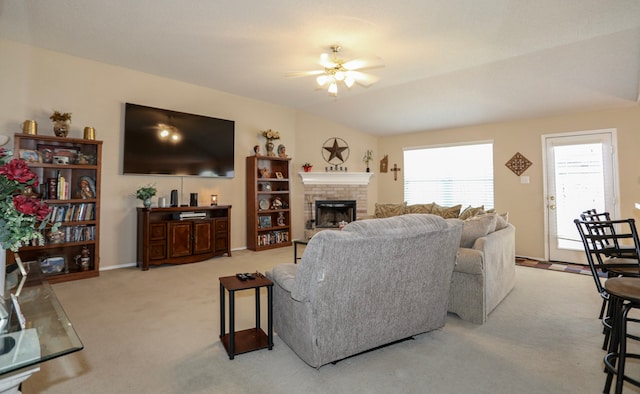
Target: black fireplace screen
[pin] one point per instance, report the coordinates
(329, 213)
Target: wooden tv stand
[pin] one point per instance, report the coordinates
(165, 239)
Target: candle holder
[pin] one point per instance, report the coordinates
(214, 199)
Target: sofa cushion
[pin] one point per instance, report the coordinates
(419, 208)
(470, 212)
(475, 228)
(446, 212)
(389, 210)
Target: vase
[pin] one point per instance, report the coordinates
(61, 128)
(368, 170)
(147, 203)
(269, 147)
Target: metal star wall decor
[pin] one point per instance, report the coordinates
(518, 164)
(335, 151)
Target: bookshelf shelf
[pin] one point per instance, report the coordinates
(69, 171)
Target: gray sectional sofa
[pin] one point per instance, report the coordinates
(486, 269)
(375, 282)
(485, 272)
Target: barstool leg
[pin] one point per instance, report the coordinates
(615, 305)
(622, 355)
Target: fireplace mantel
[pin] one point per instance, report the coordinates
(335, 178)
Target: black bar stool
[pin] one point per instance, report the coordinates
(624, 293)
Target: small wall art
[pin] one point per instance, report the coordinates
(518, 164)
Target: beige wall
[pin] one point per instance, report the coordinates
(35, 82)
(525, 202)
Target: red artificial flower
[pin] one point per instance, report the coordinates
(18, 170)
(31, 206)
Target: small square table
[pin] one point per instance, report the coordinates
(253, 338)
(295, 250)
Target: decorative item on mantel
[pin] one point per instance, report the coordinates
(61, 123)
(23, 215)
(270, 135)
(307, 167)
(368, 156)
(145, 193)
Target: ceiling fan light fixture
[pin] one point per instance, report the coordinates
(333, 89)
(322, 80)
(349, 82)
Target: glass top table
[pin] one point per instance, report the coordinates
(47, 331)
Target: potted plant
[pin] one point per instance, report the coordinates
(145, 193)
(368, 156)
(61, 123)
(307, 167)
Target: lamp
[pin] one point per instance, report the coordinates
(214, 199)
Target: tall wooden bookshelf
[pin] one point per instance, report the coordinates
(268, 202)
(69, 171)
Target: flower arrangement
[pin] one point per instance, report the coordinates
(271, 135)
(60, 116)
(368, 156)
(22, 216)
(146, 192)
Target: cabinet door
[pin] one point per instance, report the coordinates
(203, 242)
(180, 239)
(221, 235)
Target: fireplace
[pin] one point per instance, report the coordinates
(329, 213)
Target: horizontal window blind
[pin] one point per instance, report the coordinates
(450, 175)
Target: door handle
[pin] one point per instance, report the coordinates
(552, 198)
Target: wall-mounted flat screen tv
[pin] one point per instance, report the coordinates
(162, 142)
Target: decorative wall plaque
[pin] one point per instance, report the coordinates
(518, 164)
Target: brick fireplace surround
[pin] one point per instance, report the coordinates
(333, 186)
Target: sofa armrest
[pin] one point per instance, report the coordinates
(284, 275)
(470, 261)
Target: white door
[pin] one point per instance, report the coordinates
(581, 174)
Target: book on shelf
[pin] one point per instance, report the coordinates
(273, 237)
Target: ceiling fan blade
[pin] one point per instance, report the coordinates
(326, 61)
(303, 73)
(363, 63)
(363, 79)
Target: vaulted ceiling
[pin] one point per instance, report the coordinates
(448, 63)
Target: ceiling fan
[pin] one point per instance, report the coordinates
(336, 70)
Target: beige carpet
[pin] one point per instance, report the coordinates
(157, 332)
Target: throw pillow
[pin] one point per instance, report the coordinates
(446, 212)
(475, 228)
(389, 210)
(470, 212)
(502, 220)
(419, 208)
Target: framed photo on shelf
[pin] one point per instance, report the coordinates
(65, 155)
(265, 221)
(46, 153)
(279, 175)
(29, 155)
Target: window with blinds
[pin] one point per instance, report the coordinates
(449, 175)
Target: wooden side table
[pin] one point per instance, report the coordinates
(237, 342)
